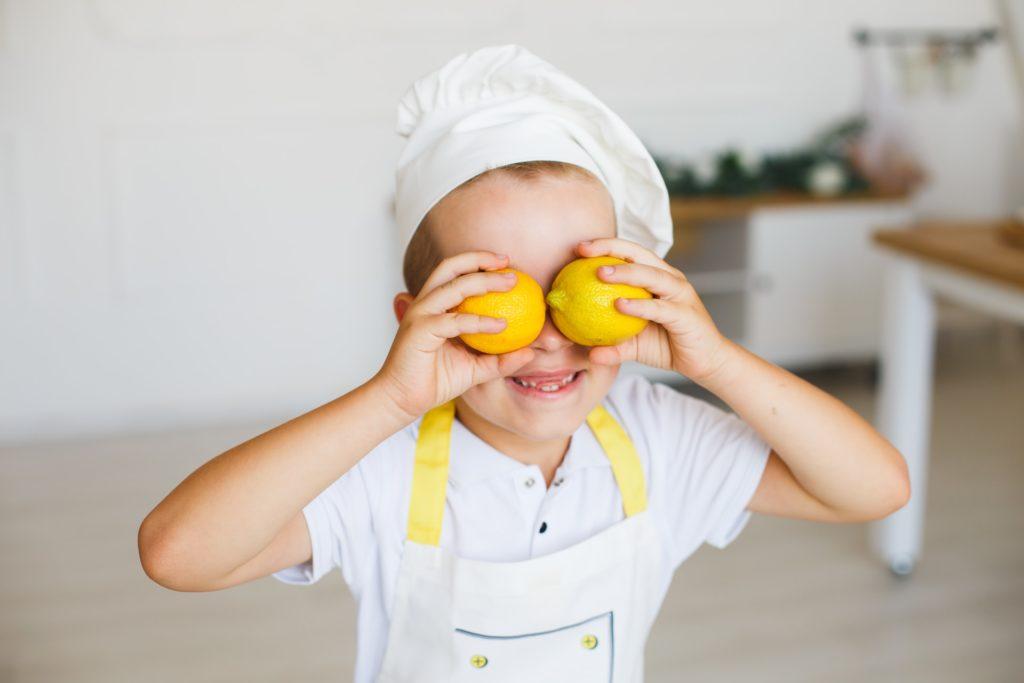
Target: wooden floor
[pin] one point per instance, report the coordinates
(788, 601)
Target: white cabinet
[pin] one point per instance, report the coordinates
(816, 290)
(797, 284)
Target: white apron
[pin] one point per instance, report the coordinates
(581, 614)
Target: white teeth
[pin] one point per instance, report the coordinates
(547, 387)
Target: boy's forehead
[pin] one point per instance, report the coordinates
(537, 223)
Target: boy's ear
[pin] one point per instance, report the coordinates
(401, 304)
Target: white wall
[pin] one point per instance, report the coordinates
(194, 195)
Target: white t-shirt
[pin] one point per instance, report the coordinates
(702, 467)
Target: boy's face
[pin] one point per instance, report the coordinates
(538, 223)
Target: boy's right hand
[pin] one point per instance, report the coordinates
(427, 365)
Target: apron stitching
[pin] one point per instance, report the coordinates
(538, 633)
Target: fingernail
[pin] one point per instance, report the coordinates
(509, 276)
(606, 270)
(501, 256)
(586, 242)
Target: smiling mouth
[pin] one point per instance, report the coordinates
(546, 385)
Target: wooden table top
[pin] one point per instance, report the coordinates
(978, 248)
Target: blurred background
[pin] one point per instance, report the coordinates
(196, 243)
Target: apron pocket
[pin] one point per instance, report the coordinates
(584, 652)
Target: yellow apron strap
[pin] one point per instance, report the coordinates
(430, 472)
(629, 473)
(430, 475)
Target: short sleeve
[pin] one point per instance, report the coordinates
(340, 532)
(705, 465)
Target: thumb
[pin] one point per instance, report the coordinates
(614, 355)
(487, 367)
(509, 363)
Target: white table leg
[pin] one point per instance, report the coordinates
(904, 404)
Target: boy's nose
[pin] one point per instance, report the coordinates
(550, 339)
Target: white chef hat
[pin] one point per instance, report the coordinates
(500, 105)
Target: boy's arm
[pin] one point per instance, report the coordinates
(827, 463)
(239, 516)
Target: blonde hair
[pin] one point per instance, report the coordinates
(422, 255)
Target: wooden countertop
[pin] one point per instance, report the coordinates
(977, 247)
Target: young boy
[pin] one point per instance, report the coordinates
(519, 517)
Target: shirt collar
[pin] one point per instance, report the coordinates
(473, 460)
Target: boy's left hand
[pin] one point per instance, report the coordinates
(684, 338)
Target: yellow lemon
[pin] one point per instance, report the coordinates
(522, 307)
(583, 306)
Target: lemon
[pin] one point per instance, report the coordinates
(522, 307)
(583, 307)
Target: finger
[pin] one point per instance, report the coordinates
(660, 311)
(460, 264)
(619, 248)
(433, 332)
(451, 325)
(657, 281)
(454, 292)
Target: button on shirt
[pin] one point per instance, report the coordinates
(702, 466)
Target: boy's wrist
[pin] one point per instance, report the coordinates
(722, 373)
(388, 397)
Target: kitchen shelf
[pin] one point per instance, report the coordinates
(700, 209)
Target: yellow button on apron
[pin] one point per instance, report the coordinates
(479, 661)
(589, 641)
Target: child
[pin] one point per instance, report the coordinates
(519, 516)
